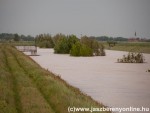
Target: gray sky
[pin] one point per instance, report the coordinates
(86, 17)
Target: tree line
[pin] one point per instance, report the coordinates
(107, 38)
(15, 37)
(119, 39)
(70, 44)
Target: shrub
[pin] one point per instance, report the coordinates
(44, 41)
(62, 46)
(72, 39)
(45, 44)
(57, 37)
(97, 48)
(132, 58)
(75, 50)
(87, 41)
(83, 47)
(111, 43)
(85, 51)
(79, 49)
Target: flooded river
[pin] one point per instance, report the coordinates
(113, 84)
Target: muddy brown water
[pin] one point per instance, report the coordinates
(113, 84)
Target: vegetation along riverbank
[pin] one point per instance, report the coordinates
(27, 88)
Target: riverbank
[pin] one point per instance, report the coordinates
(25, 87)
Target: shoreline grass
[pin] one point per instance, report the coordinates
(39, 90)
(27, 90)
(142, 47)
(15, 83)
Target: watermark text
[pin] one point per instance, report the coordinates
(117, 109)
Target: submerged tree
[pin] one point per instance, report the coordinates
(97, 48)
(72, 39)
(63, 44)
(71, 44)
(79, 49)
(132, 58)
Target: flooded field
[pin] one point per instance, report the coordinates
(113, 84)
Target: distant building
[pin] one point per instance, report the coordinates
(133, 39)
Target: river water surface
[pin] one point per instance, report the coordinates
(113, 84)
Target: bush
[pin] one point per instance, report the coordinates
(83, 47)
(57, 37)
(97, 48)
(87, 41)
(75, 50)
(85, 51)
(62, 46)
(45, 44)
(132, 58)
(72, 39)
(79, 49)
(44, 41)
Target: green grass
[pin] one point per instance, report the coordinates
(7, 98)
(20, 43)
(27, 88)
(13, 73)
(143, 47)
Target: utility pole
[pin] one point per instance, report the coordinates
(135, 34)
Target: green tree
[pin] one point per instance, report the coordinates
(79, 49)
(97, 48)
(16, 37)
(44, 41)
(75, 50)
(62, 46)
(72, 39)
(57, 37)
(87, 41)
(85, 50)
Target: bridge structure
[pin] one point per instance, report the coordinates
(32, 49)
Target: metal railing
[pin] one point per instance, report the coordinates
(32, 49)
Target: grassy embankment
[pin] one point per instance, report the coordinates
(27, 88)
(23, 43)
(143, 47)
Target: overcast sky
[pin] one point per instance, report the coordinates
(86, 17)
